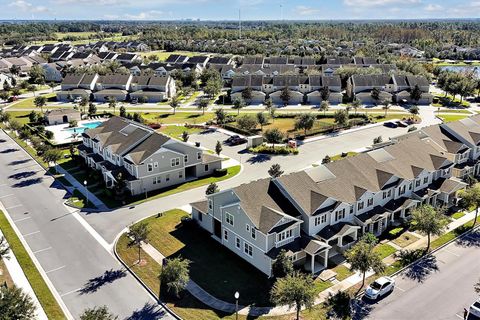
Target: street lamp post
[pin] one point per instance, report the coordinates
(237, 295)
(86, 191)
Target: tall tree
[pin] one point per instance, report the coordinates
(295, 290)
(174, 103)
(471, 198)
(341, 118)
(375, 94)
(362, 258)
(97, 313)
(238, 104)
(247, 94)
(211, 189)
(262, 119)
(112, 103)
(185, 136)
(203, 104)
(414, 111)
(175, 275)
(325, 93)
(285, 95)
(138, 233)
(356, 104)
(220, 116)
(15, 304)
(283, 265)
(416, 94)
(324, 105)
(305, 122)
(40, 102)
(274, 136)
(275, 170)
(123, 111)
(218, 148)
(430, 221)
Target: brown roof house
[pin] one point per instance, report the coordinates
(59, 116)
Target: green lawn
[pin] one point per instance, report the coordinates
(405, 239)
(339, 156)
(163, 55)
(384, 250)
(451, 235)
(177, 131)
(342, 272)
(460, 111)
(178, 118)
(21, 116)
(458, 215)
(451, 117)
(43, 293)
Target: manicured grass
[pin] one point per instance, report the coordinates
(177, 131)
(339, 156)
(213, 267)
(43, 293)
(178, 118)
(451, 235)
(28, 103)
(451, 117)
(231, 172)
(342, 272)
(405, 239)
(458, 215)
(78, 200)
(321, 285)
(163, 55)
(20, 116)
(459, 111)
(384, 250)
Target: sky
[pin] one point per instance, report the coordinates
(228, 9)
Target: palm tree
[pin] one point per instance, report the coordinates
(112, 103)
(386, 106)
(174, 103)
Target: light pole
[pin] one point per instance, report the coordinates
(237, 295)
(86, 192)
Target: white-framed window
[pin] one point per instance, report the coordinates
(417, 183)
(253, 233)
(339, 215)
(425, 180)
(248, 249)
(284, 235)
(155, 164)
(402, 189)
(210, 204)
(180, 174)
(175, 162)
(237, 242)
(320, 219)
(225, 235)
(206, 167)
(384, 195)
(229, 218)
(149, 167)
(370, 202)
(247, 227)
(185, 158)
(199, 155)
(156, 180)
(410, 186)
(360, 206)
(351, 208)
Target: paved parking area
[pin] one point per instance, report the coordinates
(437, 288)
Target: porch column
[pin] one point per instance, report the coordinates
(340, 241)
(325, 260)
(313, 263)
(392, 215)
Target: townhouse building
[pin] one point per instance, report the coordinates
(319, 213)
(144, 159)
(302, 88)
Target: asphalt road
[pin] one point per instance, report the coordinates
(437, 288)
(83, 272)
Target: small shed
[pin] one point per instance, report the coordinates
(254, 141)
(59, 116)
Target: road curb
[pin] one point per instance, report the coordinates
(152, 294)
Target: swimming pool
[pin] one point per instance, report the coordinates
(84, 126)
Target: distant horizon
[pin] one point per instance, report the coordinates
(228, 10)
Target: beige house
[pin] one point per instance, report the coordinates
(59, 116)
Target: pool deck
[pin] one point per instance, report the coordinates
(62, 134)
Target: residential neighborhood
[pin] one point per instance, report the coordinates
(284, 161)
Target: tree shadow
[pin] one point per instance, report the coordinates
(259, 158)
(361, 308)
(3, 140)
(108, 277)
(9, 150)
(17, 162)
(149, 311)
(422, 269)
(28, 182)
(22, 175)
(469, 240)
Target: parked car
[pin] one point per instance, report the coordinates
(77, 100)
(475, 308)
(390, 125)
(235, 140)
(379, 288)
(401, 124)
(134, 101)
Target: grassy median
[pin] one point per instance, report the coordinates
(43, 293)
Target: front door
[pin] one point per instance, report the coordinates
(65, 119)
(217, 228)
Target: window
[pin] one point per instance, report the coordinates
(149, 167)
(200, 216)
(370, 202)
(167, 178)
(206, 167)
(210, 204)
(247, 227)
(229, 218)
(237, 242)
(410, 186)
(225, 235)
(180, 174)
(199, 155)
(156, 180)
(402, 190)
(320, 219)
(339, 215)
(360, 206)
(417, 183)
(425, 180)
(248, 249)
(389, 194)
(175, 162)
(284, 235)
(351, 208)
(185, 158)
(253, 233)
(155, 164)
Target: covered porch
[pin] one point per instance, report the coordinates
(427, 196)
(400, 209)
(374, 221)
(340, 237)
(316, 256)
(448, 191)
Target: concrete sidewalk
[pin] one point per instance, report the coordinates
(80, 187)
(21, 281)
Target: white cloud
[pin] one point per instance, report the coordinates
(306, 11)
(433, 7)
(376, 3)
(27, 6)
(149, 15)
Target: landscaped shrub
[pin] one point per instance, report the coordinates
(220, 172)
(395, 232)
(48, 134)
(270, 150)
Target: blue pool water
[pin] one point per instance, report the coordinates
(85, 126)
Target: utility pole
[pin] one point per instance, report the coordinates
(240, 23)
